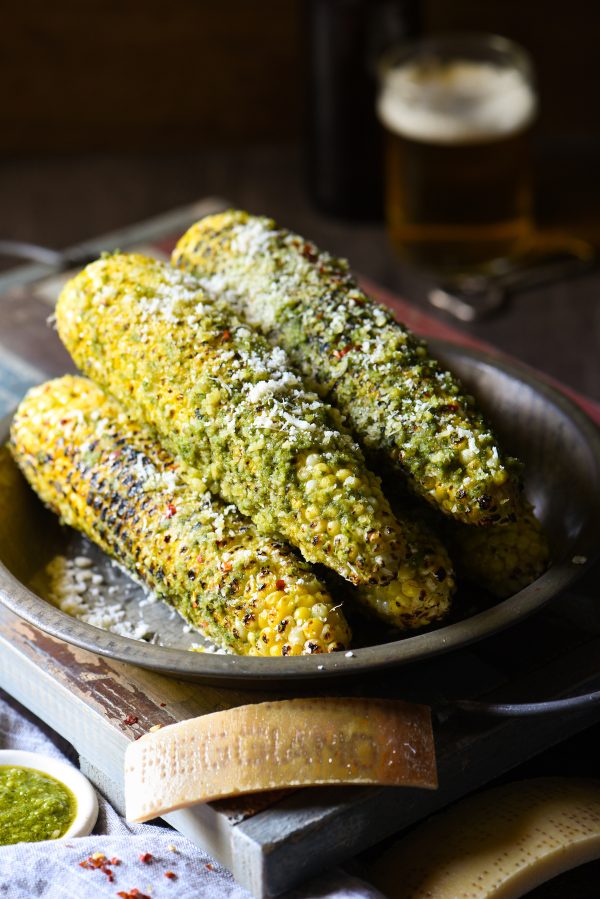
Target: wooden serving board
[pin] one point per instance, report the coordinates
(273, 841)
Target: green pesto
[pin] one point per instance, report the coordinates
(33, 806)
(224, 401)
(407, 411)
(108, 477)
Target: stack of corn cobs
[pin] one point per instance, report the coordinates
(219, 447)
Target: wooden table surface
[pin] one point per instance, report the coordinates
(62, 201)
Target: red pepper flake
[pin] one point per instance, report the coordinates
(226, 335)
(146, 857)
(171, 510)
(280, 584)
(99, 862)
(339, 354)
(131, 719)
(309, 251)
(133, 894)
(171, 875)
(209, 867)
(163, 705)
(227, 566)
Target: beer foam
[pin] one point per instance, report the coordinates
(455, 103)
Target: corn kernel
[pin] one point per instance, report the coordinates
(313, 628)
(328, 482)
(302, 614)
(296, 637)
(320, 610)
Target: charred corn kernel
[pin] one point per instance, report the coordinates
(210, 387)
(502, 558)
(421, 593)
(106, 475)
(401, 404)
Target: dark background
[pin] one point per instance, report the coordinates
(144, 74)
(126, 77)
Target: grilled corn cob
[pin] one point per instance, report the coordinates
(421, 593)
(504, 558)
(106, 475)
(222, 400)
(400, 403)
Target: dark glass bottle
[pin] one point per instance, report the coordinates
(345, 41)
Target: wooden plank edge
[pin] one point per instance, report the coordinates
(103, 747)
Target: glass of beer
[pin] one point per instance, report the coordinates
(457, 111)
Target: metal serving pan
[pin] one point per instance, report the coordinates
(559, 445)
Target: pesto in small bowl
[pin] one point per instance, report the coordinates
(33, 806)
(43, 798)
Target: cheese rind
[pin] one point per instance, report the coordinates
(274, 745)
(501, 843)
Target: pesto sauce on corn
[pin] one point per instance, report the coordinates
(403, 406)
(226, 402)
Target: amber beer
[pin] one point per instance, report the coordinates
(458, 191)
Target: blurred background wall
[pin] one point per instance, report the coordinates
(125, 74)
(125, 77)
(88, 75)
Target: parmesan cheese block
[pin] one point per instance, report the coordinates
(274, 745)
(501, 843)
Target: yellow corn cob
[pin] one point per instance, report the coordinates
(106, 476)
(221, 399)
(502, 558)
(404, 408)
(421, 592)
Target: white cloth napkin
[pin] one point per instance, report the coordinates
(52, 869)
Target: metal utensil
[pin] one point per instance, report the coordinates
(471, 297)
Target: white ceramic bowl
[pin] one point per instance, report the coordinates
(87, 801)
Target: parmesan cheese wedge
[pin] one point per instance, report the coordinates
(274, 745)
(501, 843)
